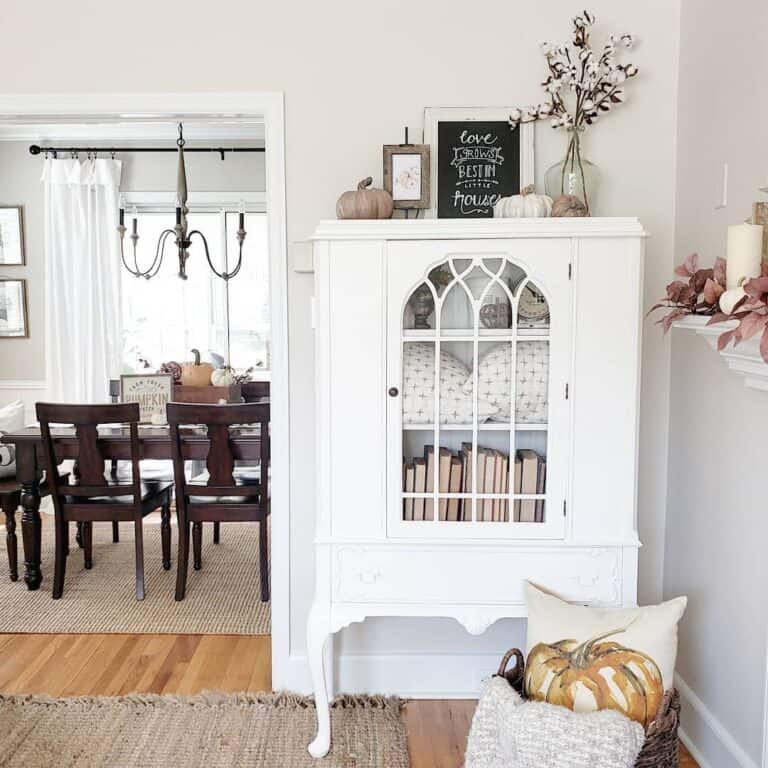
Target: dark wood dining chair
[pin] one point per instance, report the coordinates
(95, 497)
(223, 497)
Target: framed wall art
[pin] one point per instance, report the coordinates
(13, 309)
(406, 175)
(477, 158)
(152, 391)
(11, 236)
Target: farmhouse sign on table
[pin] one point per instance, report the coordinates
(479, 159)
(151, 391)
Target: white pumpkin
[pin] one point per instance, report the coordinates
(223, 377)
(526, 205)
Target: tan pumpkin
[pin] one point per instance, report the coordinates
(595, 675)
(527, 205)
(196, 374)
(568, 206)
(365, 203)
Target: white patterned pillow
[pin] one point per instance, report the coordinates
(11, 419)
(419, 387)
(531, 385)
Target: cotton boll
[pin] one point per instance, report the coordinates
(729, 299)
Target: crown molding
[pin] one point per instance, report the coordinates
(142, 129)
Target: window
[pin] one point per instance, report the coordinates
(163, 318)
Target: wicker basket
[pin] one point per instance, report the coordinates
(661, 745)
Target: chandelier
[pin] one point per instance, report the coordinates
(181, 234)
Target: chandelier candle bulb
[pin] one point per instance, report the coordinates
(745, 253)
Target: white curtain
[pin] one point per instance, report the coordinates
(82, 279)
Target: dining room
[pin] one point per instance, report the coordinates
(135, 392)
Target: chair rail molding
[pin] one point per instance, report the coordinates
(22, 384)
(745, 359)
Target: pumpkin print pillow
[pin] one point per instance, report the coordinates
(589, 659)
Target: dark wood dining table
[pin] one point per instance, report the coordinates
(115, 444)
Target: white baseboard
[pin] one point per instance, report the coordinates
(701, 761)
(412, 676)
(718, 739)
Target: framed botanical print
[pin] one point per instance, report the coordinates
(13, 309)
(11, 236)
(406, 175)
(477, 158)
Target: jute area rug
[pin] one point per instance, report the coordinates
(223, 598)
(207, 731)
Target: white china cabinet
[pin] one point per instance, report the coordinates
(477, 390)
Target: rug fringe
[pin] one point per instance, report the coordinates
(206, 698)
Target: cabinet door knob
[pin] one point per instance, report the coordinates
(393, 392)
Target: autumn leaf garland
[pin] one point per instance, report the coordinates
(704, 293)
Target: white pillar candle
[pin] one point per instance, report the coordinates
(745, 253)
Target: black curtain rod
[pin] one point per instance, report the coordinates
(36, 149)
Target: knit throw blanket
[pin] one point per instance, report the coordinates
(509, 733)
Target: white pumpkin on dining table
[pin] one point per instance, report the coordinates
(223, 377)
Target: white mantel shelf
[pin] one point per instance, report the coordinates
(744, 359)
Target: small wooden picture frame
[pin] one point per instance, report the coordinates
(12, 236)
(13, 309)
(407, 175)
(152, 391)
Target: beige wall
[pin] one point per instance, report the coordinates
(354, 73)
(716, 519)
(20, 185)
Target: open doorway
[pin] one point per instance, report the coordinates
(243, 321)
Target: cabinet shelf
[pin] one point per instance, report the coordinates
(488, 426)
(491, 334)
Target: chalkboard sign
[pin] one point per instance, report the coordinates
(478, 162)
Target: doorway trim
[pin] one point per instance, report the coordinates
(46, 108)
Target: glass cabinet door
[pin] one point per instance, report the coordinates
(478, 363)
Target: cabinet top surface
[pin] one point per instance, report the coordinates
(435, 229)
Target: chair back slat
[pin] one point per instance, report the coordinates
(90, 460)
(220, 461)
(90, 472)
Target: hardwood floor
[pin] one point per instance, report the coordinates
(90, 665)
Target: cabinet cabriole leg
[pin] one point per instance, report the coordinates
(318, 631)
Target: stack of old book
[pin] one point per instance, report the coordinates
(455, 478)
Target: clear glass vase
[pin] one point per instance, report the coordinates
(574, 175)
